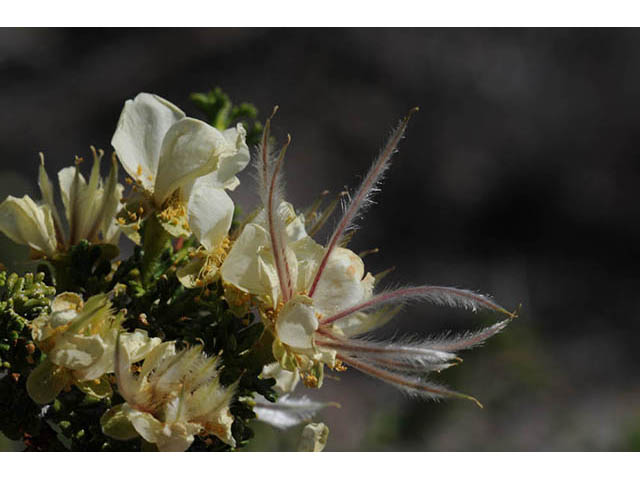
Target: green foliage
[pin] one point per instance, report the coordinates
(83, 269)
(21, 300)
(146, 287)
(222, 113)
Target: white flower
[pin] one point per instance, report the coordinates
(90, 209)
(182, 165)
(79, 340)
(174, 397)
(316, 300)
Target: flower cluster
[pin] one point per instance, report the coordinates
(167, 340)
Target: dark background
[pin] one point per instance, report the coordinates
(518, 177)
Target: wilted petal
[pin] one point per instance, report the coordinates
(314, 438)
(142, 126)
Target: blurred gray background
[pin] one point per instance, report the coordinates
(518, 178)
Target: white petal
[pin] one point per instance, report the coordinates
(342, 284)
(142, 126)
(26, 223)
(210, 211)
(235, 159)
(297, 323)
(286, 380)
(190, 149)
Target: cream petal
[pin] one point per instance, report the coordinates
(210, 212)
(308, 255)
(361, 322)
(342, 284)
(46, 188)
(297, 323)
(24, 222)
(82, 201)
(249, 265)
(67, 301)
(157, 356)
(65, 179)
(138, 344)
(147, 426)
(223, 422)
(77, 351)
(190, 149)
(142, 126)
(177, 437)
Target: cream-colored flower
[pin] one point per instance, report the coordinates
(90, 209)
(181, 167)
(250, 267)
(79, 340)
(174, 397)
(317, 301)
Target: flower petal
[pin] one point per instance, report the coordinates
(249, 265)
(210, 212)
(142, 126)
(190, 149)
(297, 323)
(27, 223)
(77, 351)
(235, 159)
(286, 380)
(342, 284)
